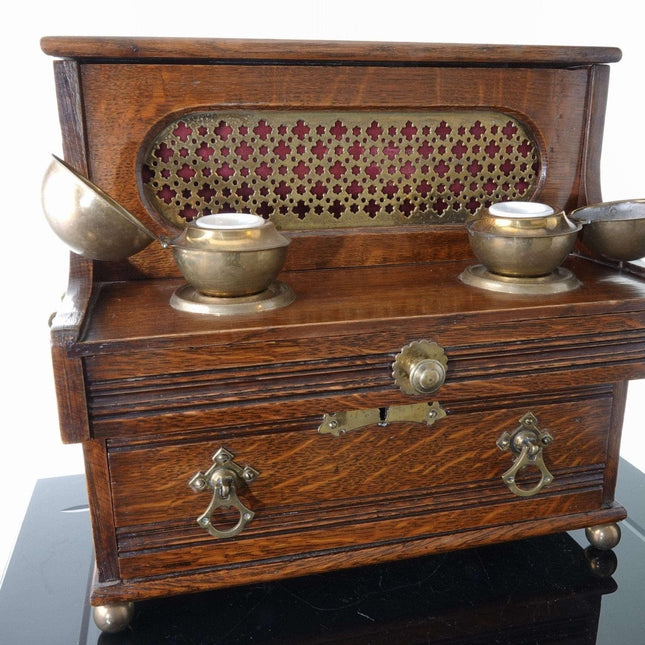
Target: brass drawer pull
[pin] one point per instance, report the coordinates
(223, 479)
(527, 442)
(337, 423)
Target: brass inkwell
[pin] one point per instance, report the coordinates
(520, 247)
(230, 260)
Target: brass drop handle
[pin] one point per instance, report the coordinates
(224, 478)
(527, 442)
(420, 367)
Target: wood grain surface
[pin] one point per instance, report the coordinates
(152, 392)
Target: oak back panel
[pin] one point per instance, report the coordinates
(334, 141)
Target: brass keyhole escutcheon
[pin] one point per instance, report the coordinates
(527, 442)
(223, 479)
(420, 367)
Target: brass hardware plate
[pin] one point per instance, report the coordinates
(527, 442)
(420, 367)
(223, 479)
(338, 423)
(330, 169)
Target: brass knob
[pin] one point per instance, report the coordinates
(420, 367)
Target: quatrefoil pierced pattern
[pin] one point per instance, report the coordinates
(312, 170)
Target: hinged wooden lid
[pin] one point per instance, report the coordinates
(301, 52)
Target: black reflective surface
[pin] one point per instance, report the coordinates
(529, 592)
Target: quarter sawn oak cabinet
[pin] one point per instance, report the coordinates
(391, 410)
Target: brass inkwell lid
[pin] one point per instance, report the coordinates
(615, 230)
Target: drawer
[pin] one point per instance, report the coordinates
(380, 484)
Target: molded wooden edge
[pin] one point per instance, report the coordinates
(100, 504)
(613, 440)
(301, 51)
(67, 322)
(70, 111)
(596, 107)
(307, 564)
(69, 384)
(69, 317)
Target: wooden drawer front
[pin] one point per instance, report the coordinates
(321, 493)
(188, 373)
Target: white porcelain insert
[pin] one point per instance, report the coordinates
(520, 209)
(229, 221)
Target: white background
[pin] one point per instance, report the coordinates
(34, 262)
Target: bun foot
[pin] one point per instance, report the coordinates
(113, 618)
(603, 536)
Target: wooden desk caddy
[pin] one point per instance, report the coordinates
(308, 438)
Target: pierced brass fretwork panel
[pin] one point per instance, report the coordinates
(311, 170)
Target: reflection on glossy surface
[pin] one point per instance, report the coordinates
(602, 563)
(541, 591)
(532, 591)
